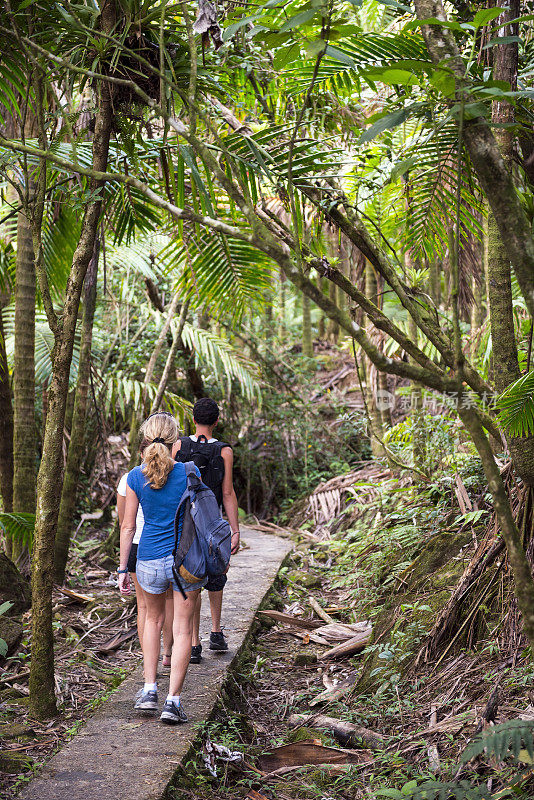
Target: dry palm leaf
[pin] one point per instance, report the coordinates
(289, 619)
(311, 751)
(351, 646)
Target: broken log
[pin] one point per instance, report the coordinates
(347, 734)
(351, 646)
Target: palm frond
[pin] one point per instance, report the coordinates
(224, 360)
(44, 343)
(18, 526)
(224, 273)
(123, 393)
(344, 65)
(516, 407)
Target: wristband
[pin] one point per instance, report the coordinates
(122, 571)
(235, 532)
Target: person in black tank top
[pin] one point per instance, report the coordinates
(215, 461)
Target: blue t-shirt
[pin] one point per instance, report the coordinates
(159, 507)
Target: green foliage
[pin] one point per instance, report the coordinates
(18, 526)
(4, 607)
(225, 361)
(515, 735)
(516, 406)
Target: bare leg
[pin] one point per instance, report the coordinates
(141, 608)
(183, 633)
(155, 614)
(196, 621)
(216, 599)
(167, 627)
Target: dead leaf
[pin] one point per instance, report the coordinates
(339, 632)
(116, 641)
(349, 647)
(81, 598)
(300, 754)
(337, 691)
(463, 498)
(254, 795)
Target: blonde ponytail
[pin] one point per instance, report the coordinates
(159, 433)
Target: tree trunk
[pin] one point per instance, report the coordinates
(307, 342)
(524, 584)
(371, 292)
(332, 328)
(494, 176)
(160, 341)
(418, 430)
(504, 347)
(77, 436)
(282, 309)
(176, 340)
(42, 697)
(434, 268)
(24, 427)
(387, 399)
(321, 329)
(6, 425)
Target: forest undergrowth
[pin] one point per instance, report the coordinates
(392, 555)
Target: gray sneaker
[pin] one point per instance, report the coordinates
(173, 714)
(147, 701)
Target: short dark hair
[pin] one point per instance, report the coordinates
(206, 411)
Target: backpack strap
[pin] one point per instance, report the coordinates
(191, 474)
(185, 445)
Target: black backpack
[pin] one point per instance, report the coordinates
(207, 457)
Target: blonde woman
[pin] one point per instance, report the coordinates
(131, 565)
(157, 485)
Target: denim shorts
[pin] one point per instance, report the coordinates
(156, 576)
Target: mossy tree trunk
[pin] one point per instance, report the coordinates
(418, 428)
(332, 328)
(504, 347)
(24, 427)
(307, 342)
(434, 270)
(42, 697)
(77, 436)
(6, 424)
(495, 178)
(282, 308)
(524, 584)
(377, 433)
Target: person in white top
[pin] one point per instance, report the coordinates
(139, 594)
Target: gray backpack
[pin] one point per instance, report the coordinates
(202, 547)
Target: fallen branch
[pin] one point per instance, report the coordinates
(347, 734)
(354, 645)
(289, 619)
(320, 611)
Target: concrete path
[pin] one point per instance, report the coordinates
(120, 753)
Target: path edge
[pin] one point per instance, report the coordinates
(239, 657)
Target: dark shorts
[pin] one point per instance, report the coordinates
(216, 583)
(132, 558)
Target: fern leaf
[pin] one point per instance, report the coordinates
(501, 739)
